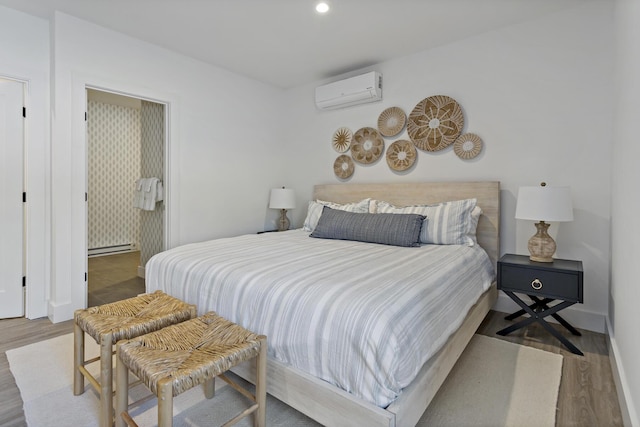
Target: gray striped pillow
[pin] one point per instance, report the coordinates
(315, 210)
(447, 223)
(386, 229)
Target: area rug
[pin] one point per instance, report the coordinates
(495, 383)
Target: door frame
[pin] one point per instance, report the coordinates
(24, 207)
(37, 184)
(68, 291)
(166, 237)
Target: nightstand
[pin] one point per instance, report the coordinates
(543, 283)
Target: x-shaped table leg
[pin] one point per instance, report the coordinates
(538, 316)
(544, 305)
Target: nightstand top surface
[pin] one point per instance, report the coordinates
(557, 264)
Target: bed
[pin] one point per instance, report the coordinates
(403, 364)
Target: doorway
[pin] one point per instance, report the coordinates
(125, 142)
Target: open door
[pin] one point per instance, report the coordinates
(11, 199)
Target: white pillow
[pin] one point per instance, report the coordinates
(314, 211)
(447, 223)
(473, 226)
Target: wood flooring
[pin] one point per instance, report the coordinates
(111, 278)
(114, 278)
(587, 395)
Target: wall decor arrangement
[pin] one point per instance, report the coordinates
(341, 140)
(434, 124)
(343, 167)
(367, 145)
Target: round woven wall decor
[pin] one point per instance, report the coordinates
(401, 155)
(435, 123)
(341, 140)
(343, 167)
(367, 145)
(391, 121)
(467, 146)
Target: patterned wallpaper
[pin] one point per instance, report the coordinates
(114, 165)
(152, 165)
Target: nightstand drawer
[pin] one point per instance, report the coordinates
(553, 284)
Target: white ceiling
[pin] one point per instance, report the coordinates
(285, 42)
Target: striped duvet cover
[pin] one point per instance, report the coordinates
(364, 317)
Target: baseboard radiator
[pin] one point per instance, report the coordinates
(107, 250)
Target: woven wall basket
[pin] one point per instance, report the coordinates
(341, 140)
(401, 155)
(367, 145)
(467, 146)
(391, 121)
(343, 167)
(435, 123)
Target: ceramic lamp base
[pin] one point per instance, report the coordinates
(541, 245)
(283, 222)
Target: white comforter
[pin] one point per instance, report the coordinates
(364, 317)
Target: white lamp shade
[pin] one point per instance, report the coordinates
(544, 204)
(282, 198)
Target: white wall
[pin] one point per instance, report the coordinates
(24, 56)
(625, 205)
(224, 151)
(539, 94)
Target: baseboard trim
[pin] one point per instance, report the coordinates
(579, 318)
(60, 312)
(629, 414)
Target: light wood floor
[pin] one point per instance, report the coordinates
(587, 395)
(114, 278)
(111, 278)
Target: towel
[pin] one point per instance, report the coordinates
(138, 195)
(148, 191)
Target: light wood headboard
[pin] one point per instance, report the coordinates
(404, 194)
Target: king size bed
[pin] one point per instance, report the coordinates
(359, 333)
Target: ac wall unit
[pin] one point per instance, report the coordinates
(352, 91)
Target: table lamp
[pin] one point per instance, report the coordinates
(283, 199)
(543, 203)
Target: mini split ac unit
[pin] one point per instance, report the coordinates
(352, 91)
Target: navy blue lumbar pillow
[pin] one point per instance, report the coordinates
(387, 229)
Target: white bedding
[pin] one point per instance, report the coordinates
(364, 317)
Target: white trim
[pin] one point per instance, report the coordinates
(69, 291)
(629, 413)
(577, 317)
(37, 174)
(59, 312)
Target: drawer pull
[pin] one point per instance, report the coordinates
(536, 284)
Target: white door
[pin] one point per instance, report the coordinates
(11, 202)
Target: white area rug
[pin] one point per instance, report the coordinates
(495, 383)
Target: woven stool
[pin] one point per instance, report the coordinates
(179, 357)
(108, 324)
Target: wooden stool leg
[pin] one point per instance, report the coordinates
(260, 416)
(209, 388)
(165, 403)
(106, 381)
(122, 389)
(78, 359)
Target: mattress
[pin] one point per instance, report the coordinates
(363, 317)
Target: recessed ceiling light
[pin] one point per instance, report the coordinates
(322, 7)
